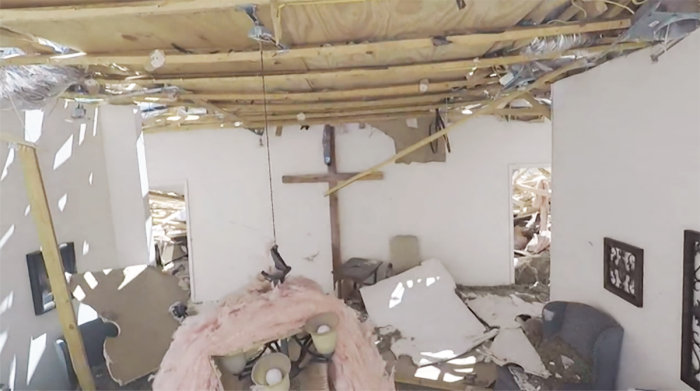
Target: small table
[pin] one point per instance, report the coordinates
(357, 270)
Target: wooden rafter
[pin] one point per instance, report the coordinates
(338, 118)
(340, 50)
(537, 106)
(486, 110)
(146, 8)
(416, 69)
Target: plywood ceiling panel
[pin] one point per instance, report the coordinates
(222, 29)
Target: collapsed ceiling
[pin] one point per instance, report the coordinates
(207, 63)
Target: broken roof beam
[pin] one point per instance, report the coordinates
(368, 73)
(486, 110)
(340, 50)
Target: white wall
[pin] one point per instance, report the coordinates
(459, 209)
(86, 220)
(626, 165)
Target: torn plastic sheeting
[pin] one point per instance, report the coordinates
(29, 87)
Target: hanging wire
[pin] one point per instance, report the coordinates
(267, 141)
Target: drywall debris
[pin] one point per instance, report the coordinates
(404, 136)
(512, 346)
(137, 299)
(421, 303)
(502, 311)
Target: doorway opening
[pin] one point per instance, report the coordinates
(169, 213)
(531, 217)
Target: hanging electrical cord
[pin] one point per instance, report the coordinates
(437, 125)
(267, 142)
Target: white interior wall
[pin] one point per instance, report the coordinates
(27, 340)
(459, 209)
(626, 159)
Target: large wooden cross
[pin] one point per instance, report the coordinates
(332, 177)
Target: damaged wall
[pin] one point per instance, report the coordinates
(459, 209)
(79, 196)
(626, 163)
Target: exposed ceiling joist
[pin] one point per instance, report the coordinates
(486, 110)
(321, 121)
(360, 93)
(146, 8)
(415, 69)
(341, 50)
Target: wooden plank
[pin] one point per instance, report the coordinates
(614, 10)
(542, 81)
(54, 267)
(333, 209)
(146, 8)
(333, 51)
(432, 99)
(318, 178)
(216, 109)
(320, 121)
(536, 105)
(377, 74)
(364, 93)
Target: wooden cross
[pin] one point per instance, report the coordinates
(332, 178)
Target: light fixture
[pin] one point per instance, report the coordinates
(173, 118)
(322, 328)
(192, 118)
(237, 123)
(234, 364)
(271, 372)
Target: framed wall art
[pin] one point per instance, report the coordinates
(690, 338)
(624, 270)
(42, 297)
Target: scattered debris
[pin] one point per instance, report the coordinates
(445, 331)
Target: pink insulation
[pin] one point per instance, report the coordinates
(262, 314)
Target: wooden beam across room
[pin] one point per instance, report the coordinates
(373, 73)
(339, 50)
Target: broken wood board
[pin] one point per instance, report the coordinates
(404, 253)
(422, 304)
(501, 311)
(137, 300)
(404, 136)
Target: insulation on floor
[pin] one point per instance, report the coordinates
(422, 304)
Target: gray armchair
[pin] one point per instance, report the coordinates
(592, 334)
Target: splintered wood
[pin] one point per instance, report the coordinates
(531, 209)
(168, 214)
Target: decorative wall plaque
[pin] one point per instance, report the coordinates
(624, 270)
(690, 339)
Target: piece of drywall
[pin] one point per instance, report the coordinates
(75, 172)
(459, 210)
(626, 165)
